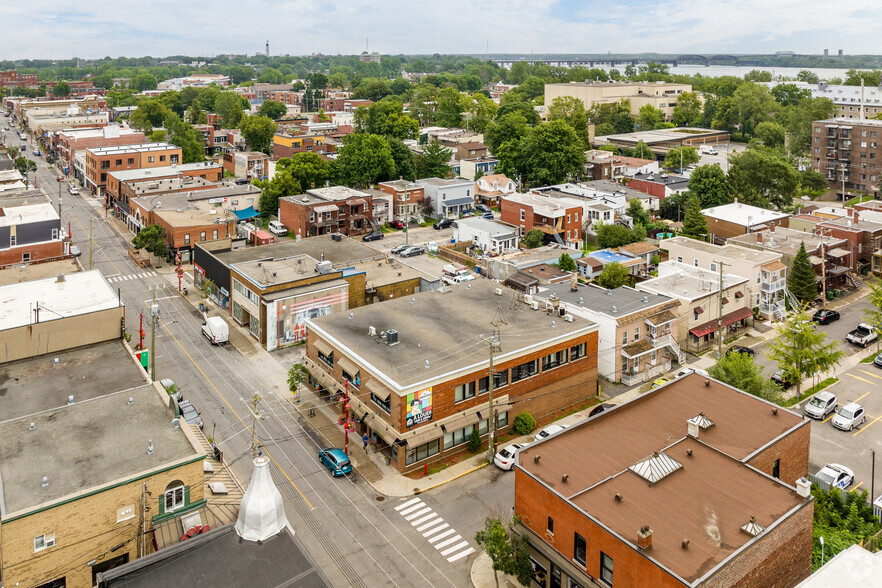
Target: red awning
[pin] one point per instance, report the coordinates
(728, 319)
(739, 295)
(698, 310)
(725, 300)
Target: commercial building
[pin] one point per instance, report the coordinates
(491, 237)
(559, 219)
(407, 199)
(735, 219)
(41, 122)
(418, 390)
(69, 141)
(123, 184)
(30, 228)
(448, 198)
(322, 211)
(660, 141)
(637, 332)
(700, 488)
(847, 152)
(659, 95)
(100, 161)
(703, 309)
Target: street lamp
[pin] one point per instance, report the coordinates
(821, 539)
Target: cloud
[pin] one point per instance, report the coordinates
(93, 28)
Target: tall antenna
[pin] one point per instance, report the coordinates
(366, 45)
(267, 47)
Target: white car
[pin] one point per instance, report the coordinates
(505, 459)
(849, 416)
(73, 190)
(821, 404)
(549, 431)
(838, 476)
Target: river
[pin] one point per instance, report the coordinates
(823, 73)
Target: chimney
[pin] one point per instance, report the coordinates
(692, 428)
(261, 513)
(772, 228)
(644, 538)
(759, 238)
(803, 487)
(855, 216)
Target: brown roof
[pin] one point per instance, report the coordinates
(637, 348)
(501, 178)
(661, 318)
(774, 266)
(639, 248)
(472, 145)
(591, 262)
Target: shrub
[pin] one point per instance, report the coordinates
(524, 423)
(475, 441)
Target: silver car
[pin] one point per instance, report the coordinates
(821, 405)
(849, 416)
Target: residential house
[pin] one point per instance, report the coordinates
(864, 236)
(735, 219)
(469, 150)
(659, 185)
(474, 167)
(251, 165)
(642, 249)
(559, 219)
(407, 199)
(489, 189)
(648, 201)
(30, 229)
(690, 458)
(491, 237)
(637, 331)
(449, 198)
(605, 165)
(635, 264)
(418, 415)
(322, 211)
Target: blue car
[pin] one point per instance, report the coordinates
(335, 460)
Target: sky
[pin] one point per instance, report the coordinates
(51, 29)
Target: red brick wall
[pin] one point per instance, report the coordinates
(37, 251)
(792, 450)
(650, 188)
(510, 212)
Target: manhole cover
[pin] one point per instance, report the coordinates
(381, 498)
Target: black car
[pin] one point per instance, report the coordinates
(444, 223)
(781, 380)
(374, 236)
(483, 208)
(411, 251)
(739, 349)
(824, 317)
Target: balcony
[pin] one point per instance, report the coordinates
(774, 286)
(831, 155)
(661, 340)
(632, 379)
(844, 155)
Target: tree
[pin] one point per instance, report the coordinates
(25, 165)
(475, 441)
(680, 157)
(143, 81)
(771, 134)
(481, 111)
(572, 111)
(807, 76)
(801, 350)
(371, 89)
(158, 136)
(258, 132)
(752, 105)
(297, 375)
(282, 184)
(61, 90)
(104, 80)
(434, 161)
(404, 158)
(364, 160)
(527, 111)
(790, 94)
(386, 118)
(271, 75)
(566, 263)
(873, 315)
(637, 212)
(534, 238)
(642, 151)
(615, 114)
(272, 109)
(762, 174)
(687, 112)
(613, 275)
(506, 549)
(801, 280)
(649, 118)
(509, 127)
(612, 235)
(195, 115)
(740, 371)
(710, 185)
(183, 135)
(841, 522)
(228, 106)
(551, 153)
(338, 80)
(149, 114)
(151, 238)
(694, 223)
(310, 170)
(450, 106)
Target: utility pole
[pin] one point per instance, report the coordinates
(255, 416)
(346, 418)
(720, 319)
(491, 416)
(90, 245)
(823, 275)
(154, 314)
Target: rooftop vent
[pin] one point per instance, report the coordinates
(752, 527)
(59, 278)
(392, 337)
(32, 426)
(150, 448)
(70, 399)
(131, 400)
(702, 421)
(656, 468)
(645, 300)
(45, 481)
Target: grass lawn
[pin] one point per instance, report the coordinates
(813, 390)
(859, 199)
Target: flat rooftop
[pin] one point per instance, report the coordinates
(335, 193)
(860, 224)
(786, 241)
(201, 190)
(120, 149)
(712, 480)
(95, 132)
(344, 251)
(384, 273)
(445, 329)
(160, 172)
(625, 299)
(663, 135)
(728, 251)
(493, 228)
(743, 214)
(443, 183)
(850, 122)
(545, 205)
(196, 216)
(273, 272)
(26, 213)
(685, 281)
(37, 271)
(79, 293)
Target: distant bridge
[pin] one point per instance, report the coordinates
(705, 60)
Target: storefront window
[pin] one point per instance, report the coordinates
(422, 452)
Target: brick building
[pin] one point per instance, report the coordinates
(13, 79)
(251, 165)
(100, 161)
(122, 184)
(735, 219)
(702, 488)
(660, 95)
(69, 141)
(848, 152)
(864, 236)
(407, 198)
(418, 392)
(323, 211)
(30, 229)
(659, 185)
(287, 145)
(559, 219)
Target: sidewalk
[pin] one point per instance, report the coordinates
(481, 574)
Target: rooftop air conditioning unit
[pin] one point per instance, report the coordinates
(324, 267)
(392, 337)
(534, 305)
(568, 318)
(499, 291)
(528, 299)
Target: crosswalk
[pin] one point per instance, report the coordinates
(124, 277)
(440, 535)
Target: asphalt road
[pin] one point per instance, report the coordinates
(354, 538)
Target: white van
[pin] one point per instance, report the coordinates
(277, 228)
(707, 150)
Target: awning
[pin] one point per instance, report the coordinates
(738, 295)
(661, 318)
(323, 347)
(500, 406)
(728, 319)
(725, 300)
(773, 266)
(246, 213)
(424, 435)
(698, 310)
(326, 208)
(355, 201)
(837, 252)
(460, 421)
(377, 390)
(379, 427)
(457, 202)
(348, 367)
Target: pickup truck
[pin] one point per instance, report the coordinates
(459, 279)
(863, 335)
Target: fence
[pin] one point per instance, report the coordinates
(450, 253)
(842, 493)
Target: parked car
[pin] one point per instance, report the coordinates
(863, 335)
(173, 390)
(659, 383)
(73, 190)
(189, 413)
(467, 213)
(75, 251)
(600, 408)
(399, 248)
(821, 404)
(396, 224)
(483, 208)
(836, 475)
(689, 370)
(277, 228)
(373, 236)
(335, 460)
(825, 317)
(878, 361)
(549, 431)
(444, 223)
(849, 416)
(412, 251)
(36, 152)
(487, 215)
(781, 380)
(505, 459)
(739, 349)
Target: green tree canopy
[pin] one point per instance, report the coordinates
(434, 162)
(873, 314)
(183, 135)
(637, 212)
(534, 238)
(842, 523)
(507, 549)
(149, 114)
(61, 90)
(550, 154)
(364, 160)
(767, 177)
(694, 223)
(612, 235)
(572, 111)
(642, 151)
(482, 111)
(258, 132)
(710, 185)
(740, 371)
(228, 106)
(801, 350)
(310, 170)
(386, 118)
(405, 159)
(771, 134)
(509, 127)
(527, 111)
(801, 280)
(680, 157)
(151, 238)
(687, 112)
(272, 109)
(566, 263)
(613, 275)
(650, 118)
(143, 81)
(617, 115)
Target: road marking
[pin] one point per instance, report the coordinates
(410, 509)
(832, 414)
(448, 541)
(856, 487)
(442, 535)
(417, 514)
(867, 426)
(424, 519)
(861, 379)
(438, 529)
(457, 547)
(461, 554)
(408, 503)
(76, 220)
(438, 533)
(871, 375)
(430, 524)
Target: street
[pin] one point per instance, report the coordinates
(354, 537)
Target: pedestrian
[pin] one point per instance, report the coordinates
(364, 440)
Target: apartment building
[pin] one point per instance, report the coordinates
(69, 141)
(287, 145)
(659, 185)
(250, 165)
(30, 229)
(407, 198)
(322, 211)
(605, 165)
(659, 95)
(127, 183)
(847, 152)
(704, 486)
(559, 219)
(100, 161)
(418, 393)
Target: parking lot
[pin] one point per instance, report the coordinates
(861, 384)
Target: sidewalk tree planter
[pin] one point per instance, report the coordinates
(506, 549)
(297, 375)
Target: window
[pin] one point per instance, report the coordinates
(500, 379)
(25, 257)
(54, 234)
(679, 259)
(202, 236)
(355, 380)
(131, 161)
(41, 542)
(174, 496)
(240, 288)
(550, 527)
(625, 338)
(695, 262)
(214, 235)
(776, 469)
(187, 239)
(579, 548)
(576, 217)
(695, 312)
(464, 392)
(118, 162)
(173, 158)
(457, 437)
(422, 452)
(312, 217)
(12, 240)
(525, 370)
(483, 385)
(386, 405)
(105, 165)
(150, 159)
(328, 359)
(568, 219)
(606, 569)
(162, 158)
(578, 351)
(757, 277)
(522, 215)
(636, 333)
(549, 362)
(713, 267)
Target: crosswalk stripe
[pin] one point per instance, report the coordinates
(461, 554)
(431, 523)
(408, 503)
(418, 513)
(410, 509)
(448, 541)
(437, 529)
(431, 515)
(457, 547)
(442, 535)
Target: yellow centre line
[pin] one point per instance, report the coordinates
(102, 250)
(856, 487)
(871, 375)
(207, 379)
(860, 378)
(867, 426)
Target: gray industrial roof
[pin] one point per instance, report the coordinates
(626, 300)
